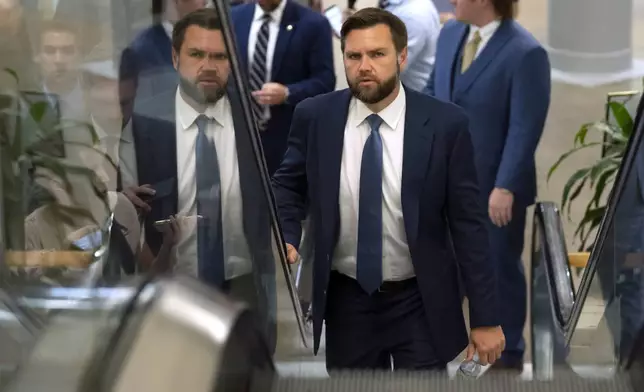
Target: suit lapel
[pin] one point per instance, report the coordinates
(159, 149)
(286, 31)
(417, 150)
(162, 43)
(242, 31)
(454, 52)
(489, 53)
(330, 138)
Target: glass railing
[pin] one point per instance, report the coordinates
(596, 327)
(84, 122)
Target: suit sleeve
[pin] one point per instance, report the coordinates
(320, 65)
(466, 216)
(290, 182)
(129, 80)
(429, 88)
(529, 102)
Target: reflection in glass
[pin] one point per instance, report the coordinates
(102, 181)
(613, 311)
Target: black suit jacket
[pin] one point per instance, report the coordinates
(440, 195)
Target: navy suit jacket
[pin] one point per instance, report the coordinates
(154, 131)
(303, 62)
(146, 68)
(440, 194)
(506, 94)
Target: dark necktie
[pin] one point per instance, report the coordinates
(258, 70)
(210, 247)
(369, 260)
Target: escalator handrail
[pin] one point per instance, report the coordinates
(242, 85)
(607, 220)
(548, 220)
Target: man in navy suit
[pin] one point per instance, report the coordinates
(193, 150)
(383, 173)
(288, 52)
(495, 70)
(146, 64)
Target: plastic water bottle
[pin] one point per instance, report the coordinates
(470, 369)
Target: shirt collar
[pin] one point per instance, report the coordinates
(186, 114)
(168, 27)
(276, 14)
(390, 115)
(485, 31)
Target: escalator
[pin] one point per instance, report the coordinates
(172, 333)
(595, 329)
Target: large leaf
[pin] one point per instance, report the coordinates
(579, 176)
(37, 111)
(565, 156)
(622, 117)
(606, 178)
(592, 218)
(13, 74)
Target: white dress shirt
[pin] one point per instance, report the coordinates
(423, 27)
(396, 261)
(273, 31)
(221, 131)
(486, 32)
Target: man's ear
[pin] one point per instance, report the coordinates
(175, 59)
(402, 58)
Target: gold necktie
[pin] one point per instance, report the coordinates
(470, 51)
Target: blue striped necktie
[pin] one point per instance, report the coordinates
(369, 258)
(210, 247)
(258, 71)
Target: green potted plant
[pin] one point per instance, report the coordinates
(23, 134)
(598, 177)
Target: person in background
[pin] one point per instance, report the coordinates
(423, 26)
(146, 64)
(499, 74)
(384, 171)
(58, 58)
(288, 52)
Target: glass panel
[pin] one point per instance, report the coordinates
(107, 170)
(613, 310)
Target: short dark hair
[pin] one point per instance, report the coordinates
(370, 17)
(57, 26)
(505, 8)
(206, 18)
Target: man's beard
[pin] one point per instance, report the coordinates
(201, 95)
(377, 93)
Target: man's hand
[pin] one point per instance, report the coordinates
(291, 254)
(488, 342)
(500, 206)
(134, 195)
(271, 94)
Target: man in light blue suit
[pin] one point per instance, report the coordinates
(493, 68)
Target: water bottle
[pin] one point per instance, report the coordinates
(470, 369)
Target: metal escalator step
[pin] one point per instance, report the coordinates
(422, 382)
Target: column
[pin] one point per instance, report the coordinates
(590, 36)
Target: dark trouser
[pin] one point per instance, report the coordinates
(506, 246)
(620, 271)
(243, 288)
(369, 331)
